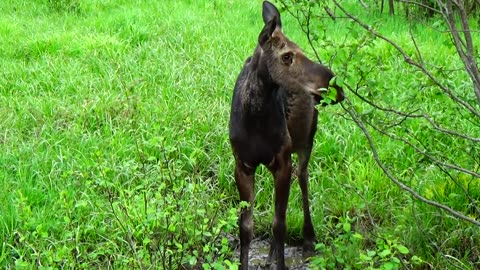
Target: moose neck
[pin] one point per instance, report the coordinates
(260, 86)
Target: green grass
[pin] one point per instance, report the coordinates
(114, 144)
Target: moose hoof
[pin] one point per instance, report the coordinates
(308, 249)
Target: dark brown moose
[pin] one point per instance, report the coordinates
(273, 115)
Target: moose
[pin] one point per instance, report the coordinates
(273, 115)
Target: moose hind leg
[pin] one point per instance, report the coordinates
(282, 171)
(308, 231)
(244, 178)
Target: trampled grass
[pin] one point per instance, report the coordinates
(114, 144)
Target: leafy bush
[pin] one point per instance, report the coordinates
(344, 248)
(159, 215)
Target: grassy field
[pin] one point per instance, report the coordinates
(114, 145)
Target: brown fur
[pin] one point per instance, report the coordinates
(273, 115)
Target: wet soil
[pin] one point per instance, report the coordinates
(258, 255)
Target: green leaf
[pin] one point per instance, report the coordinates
(385, 253)
(358, 236)
(347, 227)
(333, 81)
(192, 260)
(402, 249)
(340, 260)
(146, 241)
(365, 258)
(416, 259)
(244, 204)
(388, 266)
(21, 264)
(339, 81)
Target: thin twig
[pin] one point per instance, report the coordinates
(424, 153)
(409, 60)
(413, 114)
(305, 27)
(464, 46)
(387, 172)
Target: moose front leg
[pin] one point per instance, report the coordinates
(282, 171)
(308, 231)
(244, 177)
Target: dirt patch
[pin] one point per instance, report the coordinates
(259, 253)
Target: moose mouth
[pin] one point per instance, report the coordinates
(326, 96)
(317, 91)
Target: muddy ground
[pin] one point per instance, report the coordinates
(259, 252)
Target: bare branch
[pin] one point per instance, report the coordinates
(365, 6)
(387, 172)
(424, 153)
(465, 47)
(307, 16)
(408, 60)
(414, 115)
(465, 191)
(419, 54)
(461, 36)
(450, 132)
(390, 110)
(432, 158)
(305, 27)
(330, 13)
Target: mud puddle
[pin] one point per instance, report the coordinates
(259, 253)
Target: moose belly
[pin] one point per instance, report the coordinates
(258, 149)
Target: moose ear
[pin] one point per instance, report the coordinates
(267, 32)
(269, 12)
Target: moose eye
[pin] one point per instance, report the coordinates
(287, 58)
